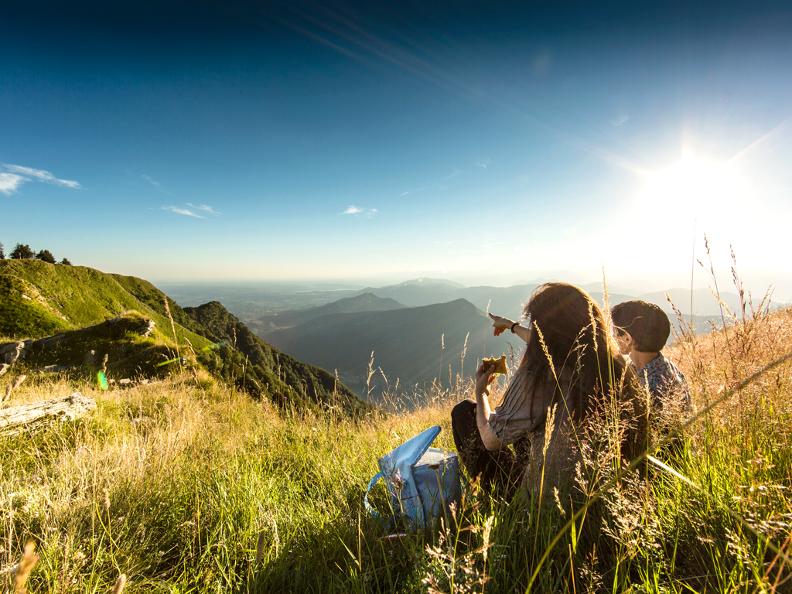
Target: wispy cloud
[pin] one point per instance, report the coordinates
(484, 163)
(204, 208)
(194, 211)
(150, 180)
(15, 175)
(185, 212)
(620, 120)
(10, 182)
(356, 211)
(41, 175)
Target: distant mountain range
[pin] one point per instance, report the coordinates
(508, 301)
(415, 344)
(258, 304)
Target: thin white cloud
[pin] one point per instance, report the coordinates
(204, 208)
(484, 163)
(185, 212)
(356, 210)
(10, 182)
(620, 120)
(41, 175)
(150, 180)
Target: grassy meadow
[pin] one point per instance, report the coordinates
(187, 485)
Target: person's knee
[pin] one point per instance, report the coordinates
(462, 411)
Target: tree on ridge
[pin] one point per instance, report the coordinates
(46, 256)
(22, 251)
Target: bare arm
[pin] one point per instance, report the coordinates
(501, 324)
(483, 411)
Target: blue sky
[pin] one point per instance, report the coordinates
(486, 143)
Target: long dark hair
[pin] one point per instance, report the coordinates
(569, 329)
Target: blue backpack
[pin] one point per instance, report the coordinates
(422, 481)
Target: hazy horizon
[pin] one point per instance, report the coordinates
(322, 285)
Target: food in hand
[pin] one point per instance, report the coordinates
(498, 364)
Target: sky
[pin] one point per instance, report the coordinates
(476, 141)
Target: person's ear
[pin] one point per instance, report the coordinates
(629, 341)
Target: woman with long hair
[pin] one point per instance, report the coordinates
(570, 370)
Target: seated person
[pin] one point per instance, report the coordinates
(557, 379)
(642, 330)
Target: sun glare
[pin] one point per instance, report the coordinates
(697, 186)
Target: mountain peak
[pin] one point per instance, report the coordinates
(430, 282)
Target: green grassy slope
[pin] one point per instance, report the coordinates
(39, 299)
(121, 346)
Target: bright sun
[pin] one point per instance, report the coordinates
(695, 186)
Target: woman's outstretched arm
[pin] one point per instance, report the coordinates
(501, 324)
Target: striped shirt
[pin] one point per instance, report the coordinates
(523, 408)
(522, 415)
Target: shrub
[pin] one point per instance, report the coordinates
(22, 251)
(46, 256)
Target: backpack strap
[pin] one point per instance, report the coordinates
(369, 508)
